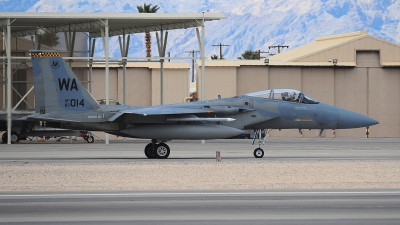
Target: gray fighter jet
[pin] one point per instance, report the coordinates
(63, 102)
(21, 129)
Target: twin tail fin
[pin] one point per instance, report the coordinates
(56, 86)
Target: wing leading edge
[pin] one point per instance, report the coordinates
(165, 110)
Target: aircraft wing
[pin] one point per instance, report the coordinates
(162, 110)
(45, 117)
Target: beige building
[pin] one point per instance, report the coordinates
(355, 71)
(143, 84)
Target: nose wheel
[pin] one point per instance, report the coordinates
(260, 135)
(258, 153)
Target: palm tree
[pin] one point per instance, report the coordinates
(148, 9)
(248, 54)
(213, 57)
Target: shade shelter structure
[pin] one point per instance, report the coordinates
(96, 25)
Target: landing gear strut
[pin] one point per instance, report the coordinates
(157, 150)
(261, 135)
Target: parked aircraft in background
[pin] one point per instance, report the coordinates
(21, 129)
(18, 125)
(63, 102)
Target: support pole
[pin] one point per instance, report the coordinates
(107, 71)
(35, 42)
(105, 37)
(92, 43)
(202, 60)
(162, 44)
(8, 52)
(4, 73)
(193, 52)
(220, 50)
(124, 47)
(70, 44)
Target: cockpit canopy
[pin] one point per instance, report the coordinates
(289, 95)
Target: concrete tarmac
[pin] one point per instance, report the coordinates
(355, 206)
(203, 207)
(276, 149)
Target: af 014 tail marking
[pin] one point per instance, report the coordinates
(57, 84)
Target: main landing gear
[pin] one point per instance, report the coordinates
(156, 150)
(87, 136)
(14, 137)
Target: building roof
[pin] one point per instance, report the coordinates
(342, 47)
(320, 44)
(28, 23)
(150, 65)
(230, 63)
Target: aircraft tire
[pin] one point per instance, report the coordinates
(90, 139)
(14, 137)
(258, 153)
(148, 151)
(162, 151)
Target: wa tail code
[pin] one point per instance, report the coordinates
(65, 83)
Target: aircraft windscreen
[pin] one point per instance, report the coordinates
(289, 95)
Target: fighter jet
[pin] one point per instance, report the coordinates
(63, 102)
(21, 129)
(18, 125)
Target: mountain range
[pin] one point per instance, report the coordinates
(250, 24)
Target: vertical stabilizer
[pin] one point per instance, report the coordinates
(56, 86)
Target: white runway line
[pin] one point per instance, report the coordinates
(197, 193)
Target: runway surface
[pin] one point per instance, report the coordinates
(281, 206)
(203, 207)
(276, 149)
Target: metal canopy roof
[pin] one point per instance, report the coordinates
(31, 23)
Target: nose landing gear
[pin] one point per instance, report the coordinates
(261, 134)
(258, 153)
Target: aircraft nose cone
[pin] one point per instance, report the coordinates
(349, 119)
